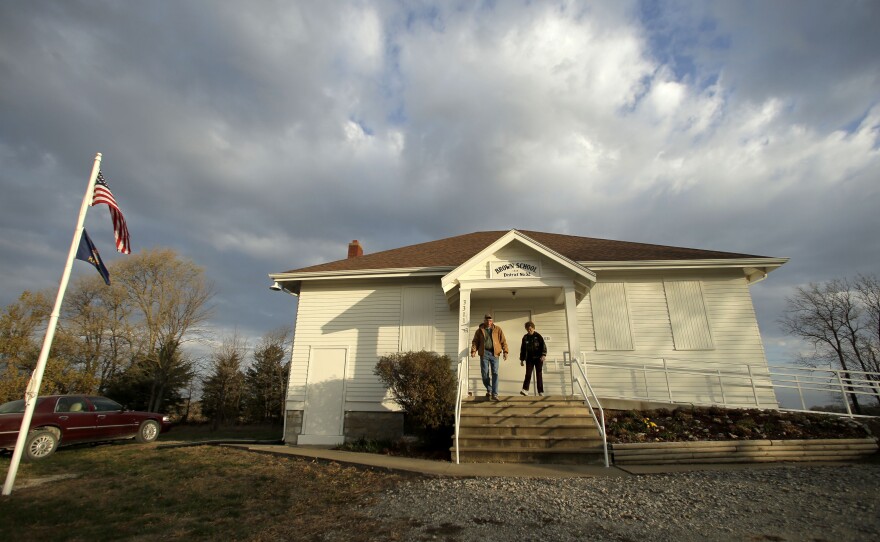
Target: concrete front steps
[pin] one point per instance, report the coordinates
(520, 429)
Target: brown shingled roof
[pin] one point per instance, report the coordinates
(454, 251)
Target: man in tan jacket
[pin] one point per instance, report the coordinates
(489, 342)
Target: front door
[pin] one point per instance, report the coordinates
(510, 374)
(325, 397)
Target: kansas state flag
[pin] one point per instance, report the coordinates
(88, 253)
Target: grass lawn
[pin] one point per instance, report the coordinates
(136, 491)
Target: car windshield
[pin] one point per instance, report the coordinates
(16, 407)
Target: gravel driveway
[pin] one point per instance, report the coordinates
(796, 502)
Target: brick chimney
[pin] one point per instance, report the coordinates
(355, 249)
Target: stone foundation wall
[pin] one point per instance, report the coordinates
(373, 425)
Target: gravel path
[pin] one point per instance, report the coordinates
(780, 503)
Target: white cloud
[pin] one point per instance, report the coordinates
(279, 134)
(361, 39)
(666, 97)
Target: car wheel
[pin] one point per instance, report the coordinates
(148, 432)
(39, 444)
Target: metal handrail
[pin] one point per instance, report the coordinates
(833, 380)
(601, 426)
(775, 377)
(463, 368)
(871, 380)
(666, 371)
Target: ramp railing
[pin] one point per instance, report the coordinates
(674, 380)
(460, 394)
(579, 379)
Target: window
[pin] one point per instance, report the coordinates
(611, 316)
(687, 315)
(102, 404)
(71, 403)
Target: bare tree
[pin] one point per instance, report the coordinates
(125, 340)
(835, 318)
(20, 325)
(868, 291)
(169, 299)
(97, 322)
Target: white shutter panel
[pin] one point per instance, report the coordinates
(687, 315)
(611, 316)
(417, 320)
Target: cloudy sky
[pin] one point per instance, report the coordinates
(259, 136)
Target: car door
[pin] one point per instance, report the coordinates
(11, 415)
(112, 419)
(74, 416)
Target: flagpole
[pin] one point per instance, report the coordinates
(33, 389)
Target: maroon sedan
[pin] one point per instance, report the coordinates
(70, 419)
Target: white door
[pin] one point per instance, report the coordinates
(510, 374)
(325, 397)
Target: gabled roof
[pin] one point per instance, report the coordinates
(454, 251)
(451, 279)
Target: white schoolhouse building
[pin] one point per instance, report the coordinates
(625, 309)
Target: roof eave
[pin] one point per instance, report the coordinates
(676, 264)
(755, 269)
(360, 273)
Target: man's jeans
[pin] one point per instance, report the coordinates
(489, 359)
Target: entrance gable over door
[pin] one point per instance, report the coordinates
(528, 263)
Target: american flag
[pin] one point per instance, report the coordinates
(120, 230)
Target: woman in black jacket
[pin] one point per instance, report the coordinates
(531, 354)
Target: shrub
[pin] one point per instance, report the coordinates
(714, 423)
(365, 445)
(423, 385)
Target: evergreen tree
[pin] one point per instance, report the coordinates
(223, 389)
(266, 379)
(154, 383)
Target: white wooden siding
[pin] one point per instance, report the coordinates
(587, 327)
(445, 326)
(366, 317)
(517, 251)
(730, 316)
